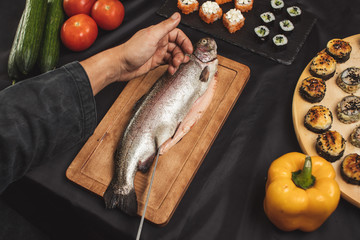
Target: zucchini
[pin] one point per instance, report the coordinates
(30, 35)
(13, 71)
(50, 47)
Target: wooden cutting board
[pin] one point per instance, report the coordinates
(333, 95)
(92, 168)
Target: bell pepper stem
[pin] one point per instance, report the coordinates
(303, 178)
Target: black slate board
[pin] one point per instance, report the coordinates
(246, 37)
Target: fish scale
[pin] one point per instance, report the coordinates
(156, 119)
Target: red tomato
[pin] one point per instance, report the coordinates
(108, 14)
(73, 7)
(79, 32)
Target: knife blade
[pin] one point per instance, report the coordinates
(148, 196)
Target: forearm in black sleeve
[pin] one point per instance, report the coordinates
(43, 116)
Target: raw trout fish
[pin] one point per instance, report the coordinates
(160, 119)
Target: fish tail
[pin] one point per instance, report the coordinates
(124, 200)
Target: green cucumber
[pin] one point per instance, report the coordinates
(13, 71)
(50, 47)
(30, 35)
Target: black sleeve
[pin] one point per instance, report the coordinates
(43, 116)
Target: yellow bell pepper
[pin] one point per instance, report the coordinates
(301, 192)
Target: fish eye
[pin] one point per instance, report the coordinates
(204, 41)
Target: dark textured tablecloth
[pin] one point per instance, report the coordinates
(224, 200)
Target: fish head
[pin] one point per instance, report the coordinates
(206, 50)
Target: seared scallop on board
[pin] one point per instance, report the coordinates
(341, 99)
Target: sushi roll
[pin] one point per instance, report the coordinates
(349, 80)
(294, 13)
(268, 18)
(323, 66)
(330, 145)
(262, 33)
(280, 41)
(210, 12)
(286, 26)
(222, 1)
(355, 137)
(348, 109)
(188, 6)
(233, 20)
(312, 89)
(350, 169)
(244, 5)
(277, 5)
(318, 119)
(339, 49)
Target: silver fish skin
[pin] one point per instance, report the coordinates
(155, 119)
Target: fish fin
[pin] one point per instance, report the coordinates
(125, 202)
(177, 128)
(138, 103)
(204, 76)
(144, 166)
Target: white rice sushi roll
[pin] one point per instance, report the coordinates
(280, 41)
(268, 18)
(262, 32)
(277, 5)
(294, 13)
(286, 26)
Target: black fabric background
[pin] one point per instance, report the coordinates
(224, 201)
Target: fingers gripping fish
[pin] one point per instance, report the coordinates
(166, 113)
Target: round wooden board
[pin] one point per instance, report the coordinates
(333, 95)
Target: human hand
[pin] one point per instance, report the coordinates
(159, 44)
(153, 46)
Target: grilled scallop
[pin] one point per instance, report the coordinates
(313, 89)
(349, 80)
(323, 66)
(318, 119)
(330, 145)
(350, 169)
(339, 49)
(355, 137)
(348, 109)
